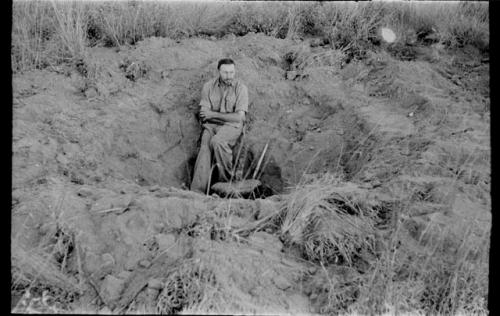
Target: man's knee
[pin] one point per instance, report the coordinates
(206, 137)
(216, 142)
(225, 138)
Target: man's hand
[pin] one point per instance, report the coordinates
(220, 118)
(206, 114)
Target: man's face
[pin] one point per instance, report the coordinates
(226, 73)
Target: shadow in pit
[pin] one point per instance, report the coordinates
(245, 161)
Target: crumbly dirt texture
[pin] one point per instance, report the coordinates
(103, 150)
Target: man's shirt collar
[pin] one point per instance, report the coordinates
(220, 83)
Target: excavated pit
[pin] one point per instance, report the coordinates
(104, 148)
(131, 114)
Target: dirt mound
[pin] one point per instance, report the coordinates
(121, 241)
(103, 149)
(144, 102)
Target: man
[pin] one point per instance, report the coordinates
(223, 105)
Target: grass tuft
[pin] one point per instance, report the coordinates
(326, 220)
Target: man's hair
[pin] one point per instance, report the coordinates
(225, 61)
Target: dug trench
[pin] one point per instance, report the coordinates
(104, 151)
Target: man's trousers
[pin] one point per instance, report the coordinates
(219, 141)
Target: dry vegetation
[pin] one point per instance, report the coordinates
(367, 261)
(49, 32)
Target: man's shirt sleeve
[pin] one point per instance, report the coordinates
(205, 101)
(241, 99)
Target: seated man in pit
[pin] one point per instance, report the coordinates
(223, 105)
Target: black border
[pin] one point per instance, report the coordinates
(6, 126)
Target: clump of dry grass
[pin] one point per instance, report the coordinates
(125, 23)
(443, 271)
(32, 266)
(71, 28)
(348, 26)
(334, 288)
(31, 30)
(42, 267)
(327, 220)
(411, 265)
(268, 18)
(47, 33)
(42, 254)
(218, 279)
(184, 288)
(454, 24)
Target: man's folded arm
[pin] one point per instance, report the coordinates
(237, 117)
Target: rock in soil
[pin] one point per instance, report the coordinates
(165, 241)
(281, 282)
(105, 311)
(111, 288)
(267, 241)
(124, 275)
(144, 263)
(155, 284)
(130, 264)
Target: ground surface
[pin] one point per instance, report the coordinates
(103, 149)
